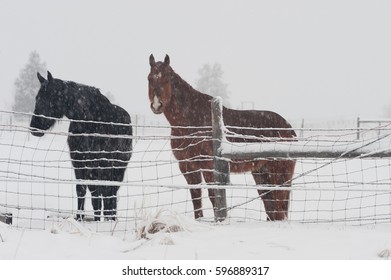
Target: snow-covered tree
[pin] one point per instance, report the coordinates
(211, 82)
(27, 84)
(110, 96)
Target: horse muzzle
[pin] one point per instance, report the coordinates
(158, 110)
(156, 106)
(36, 132)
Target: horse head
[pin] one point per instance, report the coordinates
(49, 104)
(160, 84)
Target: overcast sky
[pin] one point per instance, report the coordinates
(303, 59)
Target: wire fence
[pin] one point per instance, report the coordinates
(37, 181)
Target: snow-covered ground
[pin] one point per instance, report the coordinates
(251, 240)
(328, 222)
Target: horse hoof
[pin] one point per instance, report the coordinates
(110, 218)
(79, 217)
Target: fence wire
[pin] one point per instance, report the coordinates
(37, 181)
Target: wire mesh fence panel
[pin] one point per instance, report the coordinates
(37, 180)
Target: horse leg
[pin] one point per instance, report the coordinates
(109, 193)
(209, 179)
(284, 173)
(193, 178)
(110, 203)
(275, 173)
(96, 200)
(81, 191)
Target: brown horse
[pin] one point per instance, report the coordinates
(188, 111)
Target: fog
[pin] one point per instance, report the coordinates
(302, 59)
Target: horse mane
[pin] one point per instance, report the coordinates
(89, 89)
(91, 97)
(183, 86)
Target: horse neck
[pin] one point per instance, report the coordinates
(67, 99)
(79, 102)
(188, 107)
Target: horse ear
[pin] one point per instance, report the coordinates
(50, 77)
(40, 78)
(167, 60)
(151, 60)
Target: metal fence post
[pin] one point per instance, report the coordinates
(358, 128)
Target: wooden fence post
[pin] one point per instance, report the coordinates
(221, 166)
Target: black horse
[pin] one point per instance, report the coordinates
(99, 138)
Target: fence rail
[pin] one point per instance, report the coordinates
(306, 149)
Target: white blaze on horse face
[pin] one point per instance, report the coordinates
(156, 104)
(157, 76)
